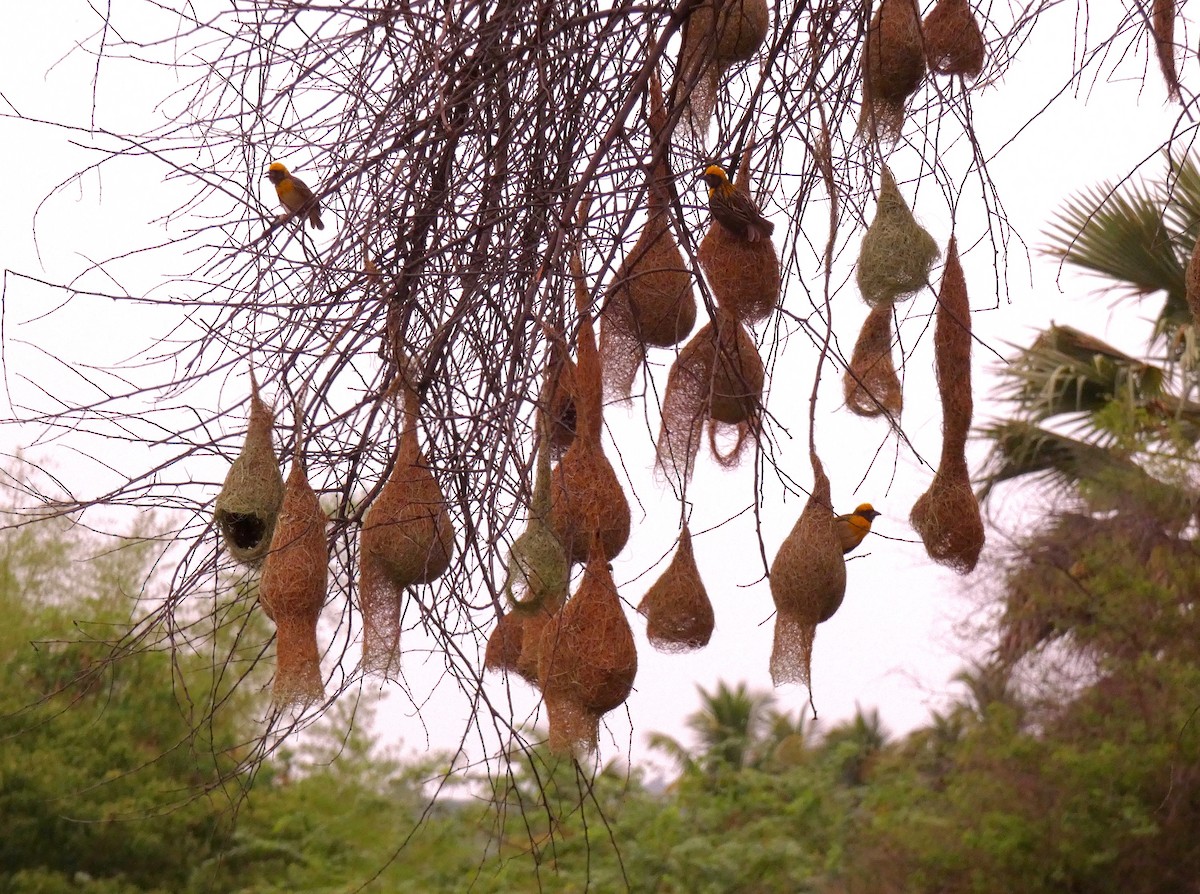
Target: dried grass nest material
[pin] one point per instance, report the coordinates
(588, 659)
(719, 375)
(947, 515)
(407, 539)
(893, 67)
(1193, 283)
(870, 385)
(538, 569)
(292, 591)
(953, 40)
(679, 615)
(897, 253)
(717, 34)
(808, 583)
(248, 505)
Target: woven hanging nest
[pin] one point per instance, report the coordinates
(1193, 283)
(248, 505)
(808, 583)
(1162, 24)
(503, 650)
(897, 253)
(292, 591)
(588, 659)
(718, 376)
(538, 570)
(893, 67)
(679, 615)
(953, 41)
(947, 515)
(717, 34)
(407, 539)
(650, 301)
(870, 384)
(586, 498)
(744, 275)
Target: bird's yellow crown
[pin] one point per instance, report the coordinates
(716, 171)
(866, 510)
(277, 167)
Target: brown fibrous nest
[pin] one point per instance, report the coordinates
(248, 505)
(1163, 25)
(953, 41)
(588, 659)
(870, 384)
(679, 615)
(893, 66)
(947, 515)
(718, 376)
(897, 253)
(407, 539)
(292, 591)
(808, 583)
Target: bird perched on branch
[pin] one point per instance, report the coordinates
(733, 208)
(295, 194)
(852, 528)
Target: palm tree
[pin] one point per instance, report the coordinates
(855, 743)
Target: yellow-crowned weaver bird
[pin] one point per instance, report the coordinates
(734, 209)
(295, 194)
(852, 528)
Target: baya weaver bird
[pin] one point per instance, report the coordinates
(295, 194)
(852, 528)
(734, 209)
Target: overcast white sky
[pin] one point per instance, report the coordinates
(893, 644)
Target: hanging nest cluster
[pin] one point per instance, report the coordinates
(947, 515)
(407, 539)
(717, 34)
(897, 253)
(717, 378)
(743, 275)
(870, 384)
(679, 615)
(586, 498)
(650, 302)
(587, 660)
(893, 67)
(292, 590)
(808, 583)
(953, 40)
(248, 505)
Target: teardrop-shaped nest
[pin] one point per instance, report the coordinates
(741, 29)
(897, 252)
(679, 615)
(870, 384)
(947, 515)
(893, 67)
(588, 658)
(743, 275)
(407, 539)
(1193, 283)
(718, 375)
(586, 502)
(1162, 24)
(248, 505)
(717, 34)
(503, 650)
(650, 303)
(953, 40)
(808, 583)
(292, 590)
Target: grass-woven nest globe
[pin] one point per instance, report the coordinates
(743, 275)
(897, 253)
(679, 615)
(557, 398)
(248, 505)
(588, 659)
(1193, 283)
(538, 569)
(719, 375)
(292, 590)
(808, 583)
(953, 40)
(407, 539)
(947, 515)
(870, 385)
(717, 34)
(893, 66)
